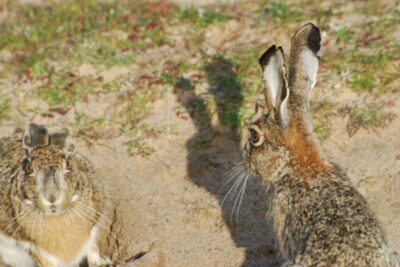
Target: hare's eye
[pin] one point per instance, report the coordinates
(28, 168)
(68, 165)
(256, 138)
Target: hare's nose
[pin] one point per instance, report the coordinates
(52, 198)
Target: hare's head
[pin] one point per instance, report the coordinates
(282, 135)
(45, 182)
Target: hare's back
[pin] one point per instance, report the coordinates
(11, 148)
(333, 225)
(11, 154)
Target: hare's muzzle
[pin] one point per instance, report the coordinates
(50, 186)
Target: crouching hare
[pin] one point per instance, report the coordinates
(320, 218)
(51, 202)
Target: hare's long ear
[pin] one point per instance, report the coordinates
(276, 90)
(63, 140)
(35, 135)
(303, 67)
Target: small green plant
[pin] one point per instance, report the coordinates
(167, 78)
(225, 85)
(369, 70)
(282, 11)
(64, 89)
(137, 147)
(210, 17)
(367, 117)
(323, 110)
(343, 35)
(134, 104)
(184, 84)
(363, 81)
(203, 20)
(322, 130)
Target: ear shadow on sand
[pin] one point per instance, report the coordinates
(213, 151)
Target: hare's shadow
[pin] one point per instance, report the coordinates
(214, 150)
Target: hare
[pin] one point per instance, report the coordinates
(51, 202)
(319, 217)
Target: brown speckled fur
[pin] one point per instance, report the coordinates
(62, 235)
(320, 218)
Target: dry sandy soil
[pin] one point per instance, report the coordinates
(168, 208)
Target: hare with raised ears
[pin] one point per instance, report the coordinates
(320, 218)
(51, 202)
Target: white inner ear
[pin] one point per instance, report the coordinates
(272, 75)
(284, 109)
(310, 64)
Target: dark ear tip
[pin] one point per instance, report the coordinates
(37, 129)
(58, 139)
(314, 38)
(309, 35)
(267, 55)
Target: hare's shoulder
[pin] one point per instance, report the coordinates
(11, 154)
(11, 145)
(332, 199)
(325, 216)
(329, 214)
(81, 163)
(83, 168)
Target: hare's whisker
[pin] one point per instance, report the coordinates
(232, 171)
(4, 212)
(243, 180)
(95, 211)
(241, 197)
(35, 222)
(238, 186)
(232, 176)
(234, 186)
(90, 220)
(231, 188)
(85, 211)
(33, 225)
(21, 218)
(236, 166)
(80, 213)
(14, 220)
(77, 213)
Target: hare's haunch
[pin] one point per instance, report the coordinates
(51, 202)
(320, 218)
